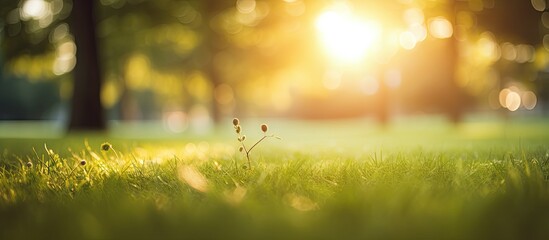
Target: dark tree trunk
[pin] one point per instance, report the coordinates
(86, 110)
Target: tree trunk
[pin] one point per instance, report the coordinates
(456, 97)
(86, 110)
(212, 43)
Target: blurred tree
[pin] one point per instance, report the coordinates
(158, 61)
(246, 56)
(86, 110)
(39, 47)
(27, 53)
(513, 20)
(213, 42)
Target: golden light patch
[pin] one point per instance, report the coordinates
(235, 196)
(301, 203)
(193, 178)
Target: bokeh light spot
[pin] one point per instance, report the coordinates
(508, 51)
(529, 100)
(34, 9)
(545, 19)
(414, 16)
(245, 6)
(110, 93)
(503, 96)
(440, 27)
(175, 121)
(525, 53)
(512, 101)
(419, 31)
(539, 5)
(488, 48)
(407, 40)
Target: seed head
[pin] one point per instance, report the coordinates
(238, 128)
(82, 162)
(29, 164)
(243, 137)
(235, 121)
(106, 146)
(240, 149)
(264, 127)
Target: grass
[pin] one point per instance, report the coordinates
(419, 179)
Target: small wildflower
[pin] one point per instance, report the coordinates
(29, 164)
(242, 137)
(82, 162)
(106, 146)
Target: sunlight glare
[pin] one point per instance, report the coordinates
(346, 38)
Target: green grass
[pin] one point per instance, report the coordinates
(419, 179)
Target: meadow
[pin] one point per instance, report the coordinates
(419, 178)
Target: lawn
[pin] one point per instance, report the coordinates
(419, 178)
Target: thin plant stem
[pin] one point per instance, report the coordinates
(257, 143)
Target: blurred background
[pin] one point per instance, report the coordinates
(190, 64)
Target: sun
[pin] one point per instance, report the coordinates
(345, 37)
